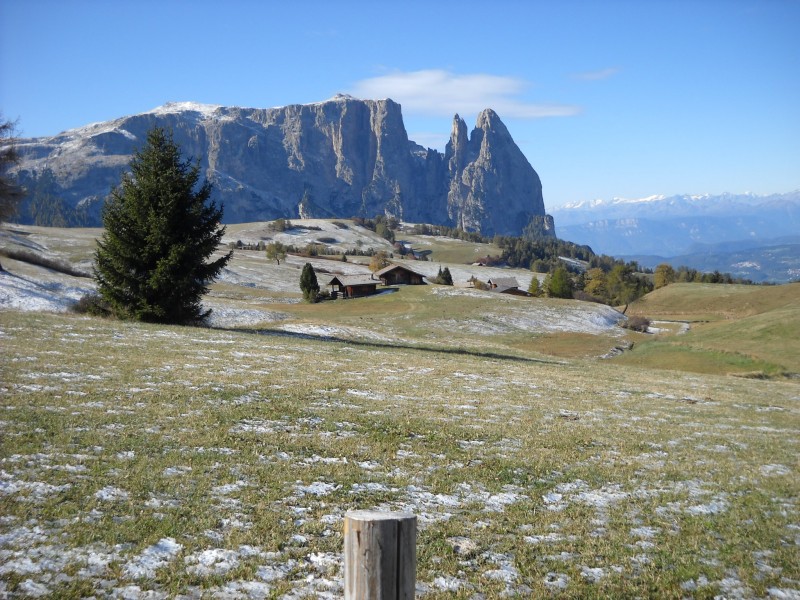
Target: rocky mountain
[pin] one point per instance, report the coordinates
(339, 158)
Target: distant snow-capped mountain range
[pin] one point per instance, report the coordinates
(685, 228)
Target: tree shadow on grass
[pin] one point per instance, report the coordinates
(391, 346)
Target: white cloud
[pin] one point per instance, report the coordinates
(438, 92)
(596, 75)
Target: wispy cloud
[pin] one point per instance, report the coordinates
(596, 75)
(439, 92)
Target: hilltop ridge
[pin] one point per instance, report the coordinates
(338, 158)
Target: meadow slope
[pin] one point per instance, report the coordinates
(143, 461)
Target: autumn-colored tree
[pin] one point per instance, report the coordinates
(378, 261)
(664, 275)
(275, 251)
(595, 282)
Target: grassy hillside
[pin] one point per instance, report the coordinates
(713, 302)
(744, 330)
(174, 461)
(147, 461)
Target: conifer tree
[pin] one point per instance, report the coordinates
(308, 283)
(10, 192)
(535, 289)
(559, 284)
(160, 229)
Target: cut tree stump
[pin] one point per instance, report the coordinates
(380, 555)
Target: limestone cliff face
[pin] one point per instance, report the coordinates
(493, 188)
(339, 158)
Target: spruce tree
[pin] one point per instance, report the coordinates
(160, 229)
(308, 283)
(447, 278)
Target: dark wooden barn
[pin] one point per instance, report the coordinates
(400, 275)
(353, 286)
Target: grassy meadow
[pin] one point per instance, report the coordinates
(750, 331)
(143, 461)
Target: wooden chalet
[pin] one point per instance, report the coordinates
(400, 275)
(353, 286)
(505, 285)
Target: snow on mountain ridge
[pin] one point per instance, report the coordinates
(655, 199)
(206, 110)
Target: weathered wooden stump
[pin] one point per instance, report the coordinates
(380, 555)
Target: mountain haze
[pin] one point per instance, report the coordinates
(747, 235)
(339, 158)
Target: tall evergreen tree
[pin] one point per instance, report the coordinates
(308, 283)
(160, 228)
(10, 192)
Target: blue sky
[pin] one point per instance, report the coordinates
(606, 99)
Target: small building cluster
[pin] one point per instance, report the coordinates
(357, 286)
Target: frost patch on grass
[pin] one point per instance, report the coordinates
(774, 470)
(31, 491)
(222, 316)
(783, 594)
(229, 488)
(252, 590)
(331, 331)
(176, 471)
(448, 583)
(33, 589)
(317, 488)
(646, 533)
(216, 561)
(603, 498)
(556, 581)
(717, 505)
(153, 558)
(111, 494)
(592, 574)
(55, 294)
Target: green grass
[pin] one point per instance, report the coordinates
(697, 302)
(219, 439)
(748, 330)
(530, 462)
(449, 250)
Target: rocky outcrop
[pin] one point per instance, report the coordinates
(493, 188)
(339, 158)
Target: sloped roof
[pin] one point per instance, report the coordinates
(352, 280)
(501, 284)
(394, 266)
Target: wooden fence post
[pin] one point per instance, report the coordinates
(380, 555)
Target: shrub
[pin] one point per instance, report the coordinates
(280, 225)
(637, 323)
(91, 304)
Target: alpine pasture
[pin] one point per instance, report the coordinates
(144, 461)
